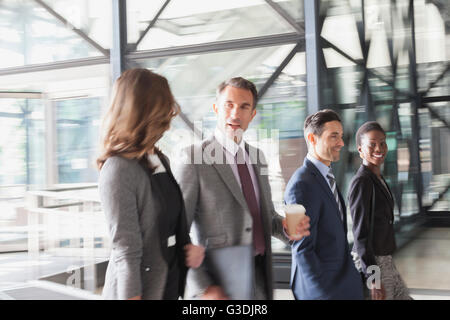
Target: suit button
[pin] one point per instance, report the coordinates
(248, 229)
(147, 269)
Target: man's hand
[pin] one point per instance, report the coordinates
(194, 255)
(135, 298)
(302, 229)
(214, 293)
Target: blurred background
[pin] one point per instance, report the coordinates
(383, 60)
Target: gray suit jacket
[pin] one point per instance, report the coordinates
(217, 210)
(137, 265)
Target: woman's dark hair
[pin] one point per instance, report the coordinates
(367, 127)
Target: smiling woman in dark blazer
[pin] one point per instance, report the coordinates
(374, 240)
(143, 204)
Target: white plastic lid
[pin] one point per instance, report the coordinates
(294, 208)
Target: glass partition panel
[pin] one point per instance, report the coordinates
(31, 35)
(22, 166)
(432, 25)
(435, 152)
(278, 126)
(78, 123)
(201, 21)
(94, 18)
(294, 8)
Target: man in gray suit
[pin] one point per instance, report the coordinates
(227, 195)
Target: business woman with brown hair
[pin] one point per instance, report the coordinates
(143, 204)
(372, 209)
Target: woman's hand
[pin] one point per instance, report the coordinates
(194, 255)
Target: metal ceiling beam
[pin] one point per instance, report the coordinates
(119, 43)
(439, 198)
(432, 84)
(278, 71)
(361, 63)
(20, 95)
(217, 46)
(152, 23)
(54, 65)
(313, 58)
(437, 116)
(435, 99)
(70, 26)
(286, 16)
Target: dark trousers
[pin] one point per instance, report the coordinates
(259, 284)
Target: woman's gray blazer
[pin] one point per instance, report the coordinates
(137, 265)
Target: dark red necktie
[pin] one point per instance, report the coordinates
(250, 198)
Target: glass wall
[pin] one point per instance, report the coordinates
(378, 60)
(50, 125)
(35, 32)
(77, 131)
(277, 128)
(383, 65)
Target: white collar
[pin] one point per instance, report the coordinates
(322, 167)
(227, 143)
(156, 162)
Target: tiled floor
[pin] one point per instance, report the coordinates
(424, 264)
(19, 268)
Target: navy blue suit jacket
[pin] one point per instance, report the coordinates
(322, 266)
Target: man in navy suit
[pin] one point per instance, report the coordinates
(322, 266)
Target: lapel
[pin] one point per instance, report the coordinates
(224, 170)
(325, 187)
(379, 185)
(390, 195)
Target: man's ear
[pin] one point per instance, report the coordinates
(215, 108)
(311, 138)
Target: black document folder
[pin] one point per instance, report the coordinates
(232, 268)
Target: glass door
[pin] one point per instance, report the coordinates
(22, 163)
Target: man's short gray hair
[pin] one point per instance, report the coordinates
(241, 83)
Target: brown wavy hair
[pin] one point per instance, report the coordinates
(141, 110)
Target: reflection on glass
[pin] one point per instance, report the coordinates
(278, 126)
(139, 15)
(434, 155)
(205, 72)
(30, 35)
(77, 139)
(22, 166)
(201, 21)
(378, 84)
(94, 18)
(293, 7)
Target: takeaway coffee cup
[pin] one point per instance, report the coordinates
(294, 214)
